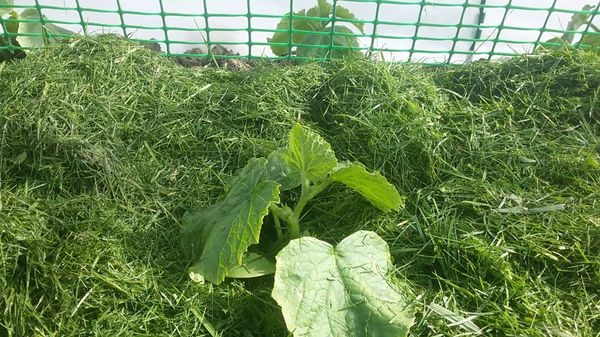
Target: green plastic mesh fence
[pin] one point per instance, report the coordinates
(433, 32)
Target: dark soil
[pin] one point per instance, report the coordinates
(212, 60)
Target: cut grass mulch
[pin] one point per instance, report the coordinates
(104, 144)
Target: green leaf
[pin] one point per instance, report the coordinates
(591, 40)
(555, 43)
(278, 170)
(344, 13)
(253, 265)
(41, 34)
(221, 234)
(340, 291)
(373, 186)
(317, 46)
(12, 23)
(6, 6)
(299, 23)
(323, 10)
(309, 153)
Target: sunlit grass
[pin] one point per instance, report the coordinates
(104, 144)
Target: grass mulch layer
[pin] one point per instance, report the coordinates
(104, 144)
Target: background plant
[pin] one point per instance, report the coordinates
(316, 34)
(577, 21)
(25, 30)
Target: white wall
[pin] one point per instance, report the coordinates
(400, 13)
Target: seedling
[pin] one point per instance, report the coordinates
(318, 286)
(311, 30)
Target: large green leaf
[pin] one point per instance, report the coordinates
(373, 186)
(317, 45)
(38, 34)
(305, 20)
(309, 153)
(323, 10)
(341, 291)
(279, 171)
(299, 22)
(6, 6)
(221, 234)
(344, 13)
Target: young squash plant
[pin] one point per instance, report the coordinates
(312, 32)
(344, 289)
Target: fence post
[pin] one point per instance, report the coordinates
(332, 35)
(374, 33)
(500, 28)
(207, 29)
(458, 28)
(477, 36)
(291, 30)
(543, 29)
(417, 26)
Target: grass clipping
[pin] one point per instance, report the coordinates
(104, 144)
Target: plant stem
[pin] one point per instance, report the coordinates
(287, 215)
(316, 189)
(294, 221)
(283, 213)
(277, 226)
(304, 197)
(292, 218)
(294, 226)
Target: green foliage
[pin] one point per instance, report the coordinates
(320, 44)
(26, 30)
(312, 31)
(309, 155)
(340, 291)
(38, 33)
(589, 40)
(11, 46)
(219, 237)
(6, 6)
(98, 161)
(368, 185)
(278, 170)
